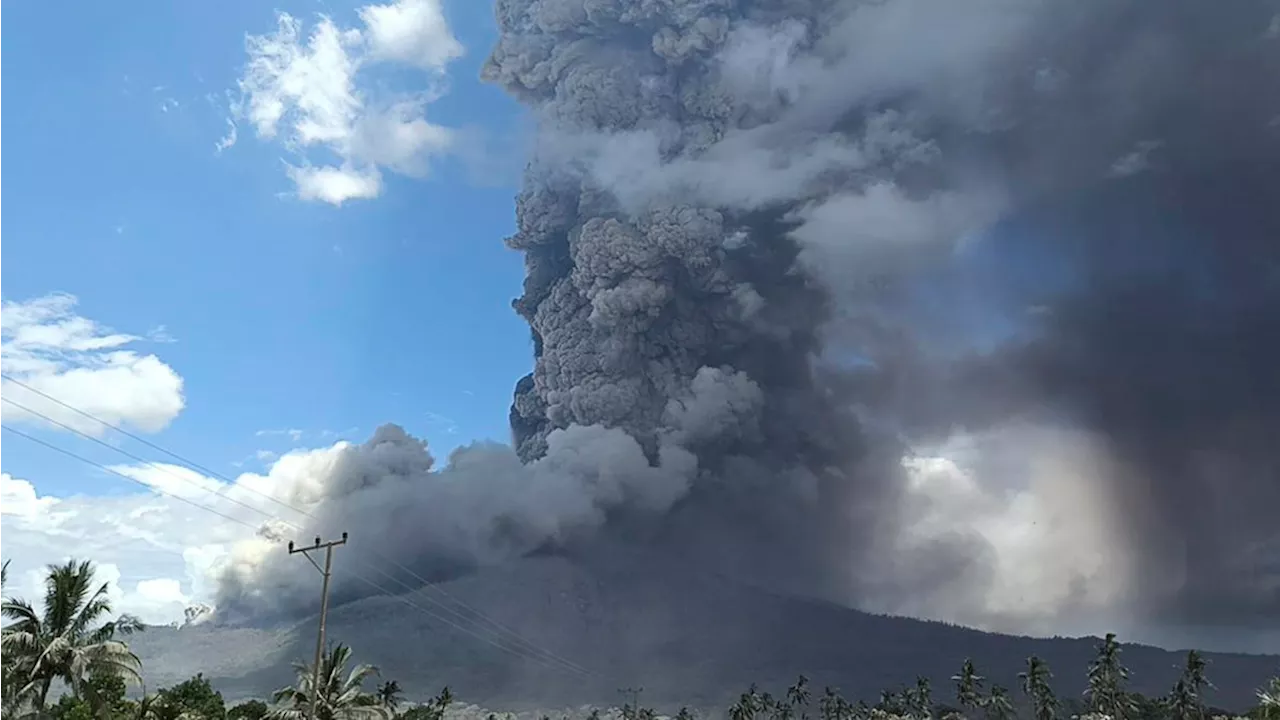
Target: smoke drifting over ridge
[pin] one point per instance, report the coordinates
(775, 247)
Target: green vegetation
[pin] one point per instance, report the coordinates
(75, 644)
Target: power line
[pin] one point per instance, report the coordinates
(185, 461)
(104, 468)
(511, 635)
(371, 583)
(505, 634)
(137, 458)
(498, 627)
(544, 661)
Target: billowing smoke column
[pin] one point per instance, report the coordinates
(774, 247)
(719, 185)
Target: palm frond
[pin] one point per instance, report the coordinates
(359, 674)
(66, 589)
(93, 610)
(20, 611)
(288, 694)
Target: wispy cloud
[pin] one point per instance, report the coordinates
(160, 334)
(1136, 161)
(293, 434)
(48, 346)
(229, 139)
(305, 91)
(442, 422)
(339, 433)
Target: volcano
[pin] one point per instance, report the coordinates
(689, 637)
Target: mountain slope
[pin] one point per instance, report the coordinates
(688, 638)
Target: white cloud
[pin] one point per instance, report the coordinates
(160, 554)
(448, 424)
(173, 480)
(411, 31)
(19, 498)
(295, 434)
(46, 345)
(228, 140)
(156, 600)
(306, 92)
(141, 544)
(160, 334)
(336, 185)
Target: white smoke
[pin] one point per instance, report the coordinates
(484, 507)
(1033, 502)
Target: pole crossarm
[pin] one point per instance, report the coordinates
(326, 572)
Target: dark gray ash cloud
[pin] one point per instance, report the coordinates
(774, 246)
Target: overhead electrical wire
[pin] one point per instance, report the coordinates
(521, 645)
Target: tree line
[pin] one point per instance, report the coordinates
(77, 643)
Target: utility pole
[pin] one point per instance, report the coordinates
(631, 711)
(324, 605)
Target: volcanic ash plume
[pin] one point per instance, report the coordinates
(410, 521)
(966, 309)
(780, 212)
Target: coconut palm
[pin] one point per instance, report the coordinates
(1106, 692)
(833, 706)
(749, 705)
(1035, 683)
(12, 672)
(68, 640)
(998, 704)
(1269, 700)
(389, 694)
(1186, 700)
(919, 700)
(968, 686)
(341, 694)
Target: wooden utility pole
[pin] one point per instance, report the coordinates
(324, 605)
(631, 711)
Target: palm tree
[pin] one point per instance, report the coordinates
(833, 706)
(891, 702)
(67, 640)
(920, 700)
(1035, 683)
(968, 686)
(998, 704)
(340, 697)
(13, 671)
(749, 705)
(1107, 678)
(1269, 700)
(389, 695)
(798, 694)
(1186, 701)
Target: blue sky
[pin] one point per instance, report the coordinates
(285, 313)
(278, 312)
